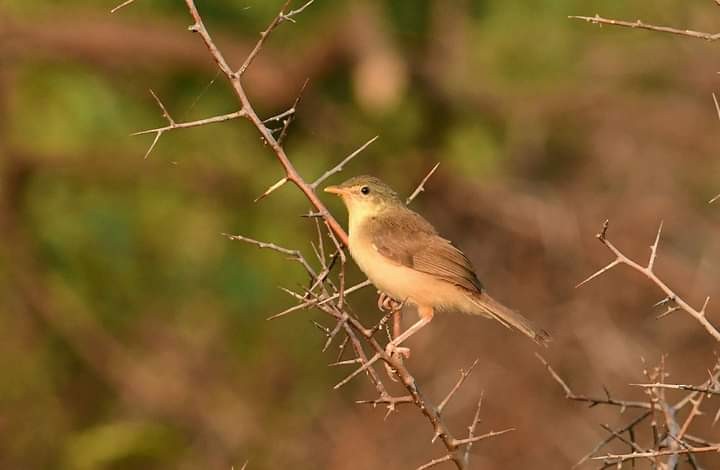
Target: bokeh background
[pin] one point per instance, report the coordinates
(133, 335)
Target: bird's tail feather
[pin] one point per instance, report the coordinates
(510, 318)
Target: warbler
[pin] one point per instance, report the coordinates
(404, 257)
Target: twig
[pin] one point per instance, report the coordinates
(647, 271)
(289, 120)
(690, 388)
(593, 401)
(618, 458)
(421, 186)
(181, 125)
(463, 375)
(471, 428)
(640, 25)
(339, 167)
(281, 17)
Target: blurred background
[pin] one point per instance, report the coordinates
(133, 335)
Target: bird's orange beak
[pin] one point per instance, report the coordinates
(335, 190)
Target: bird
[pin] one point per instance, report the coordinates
(405, 257)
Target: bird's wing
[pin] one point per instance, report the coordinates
(410, 240)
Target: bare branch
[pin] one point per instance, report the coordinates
(318, 303)
(339, 167)
(387, 401)
(593, 401)
(463, 375)
(437, 461)
(421, 186)
(471, 428)
(198, 123)
(619, 458)
(691, 388)
(289, 120)
(280, 18)
(640, 25)
(647, 271)
(182, 125)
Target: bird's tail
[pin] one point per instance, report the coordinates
(510, 318)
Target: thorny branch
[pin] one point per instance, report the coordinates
(672, 300)
(322, 292)
(669, 438)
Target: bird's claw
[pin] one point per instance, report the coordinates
(396, 353)
(387, 303)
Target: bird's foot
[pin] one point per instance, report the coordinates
(387, 303)
(399, 352)
(396, 353)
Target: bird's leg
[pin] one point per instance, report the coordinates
(397, 323)
(426, 315)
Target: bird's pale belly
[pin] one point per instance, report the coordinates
(406, 284)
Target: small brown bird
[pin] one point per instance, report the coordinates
(403, 255)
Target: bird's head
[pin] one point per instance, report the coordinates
(365, 196)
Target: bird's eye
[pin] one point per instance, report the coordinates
(365, 190)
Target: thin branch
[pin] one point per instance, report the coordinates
(181, 125)
(289, 120)
(647, 271)
(471, 428)
(280, 18)
(122, 5)
(640, 25)
(470, 440)
(421, 186)
(198, 123)
(593, 401)
(319, 303)
(438, 461)
(691, 388)
(609, 439)
(339, 167)
(619, 458)
(463, 375)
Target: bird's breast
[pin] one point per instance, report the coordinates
(400, 282)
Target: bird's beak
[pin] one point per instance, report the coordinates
(335, 190)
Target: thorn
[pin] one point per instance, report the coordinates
(272, 188)
(152, 146)
(663, 301)
(705, 304)
(322, 328)
(128, 2)
(345, 362)
(654, 247)
(667, 312)
(357, 371)
(603, 270)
